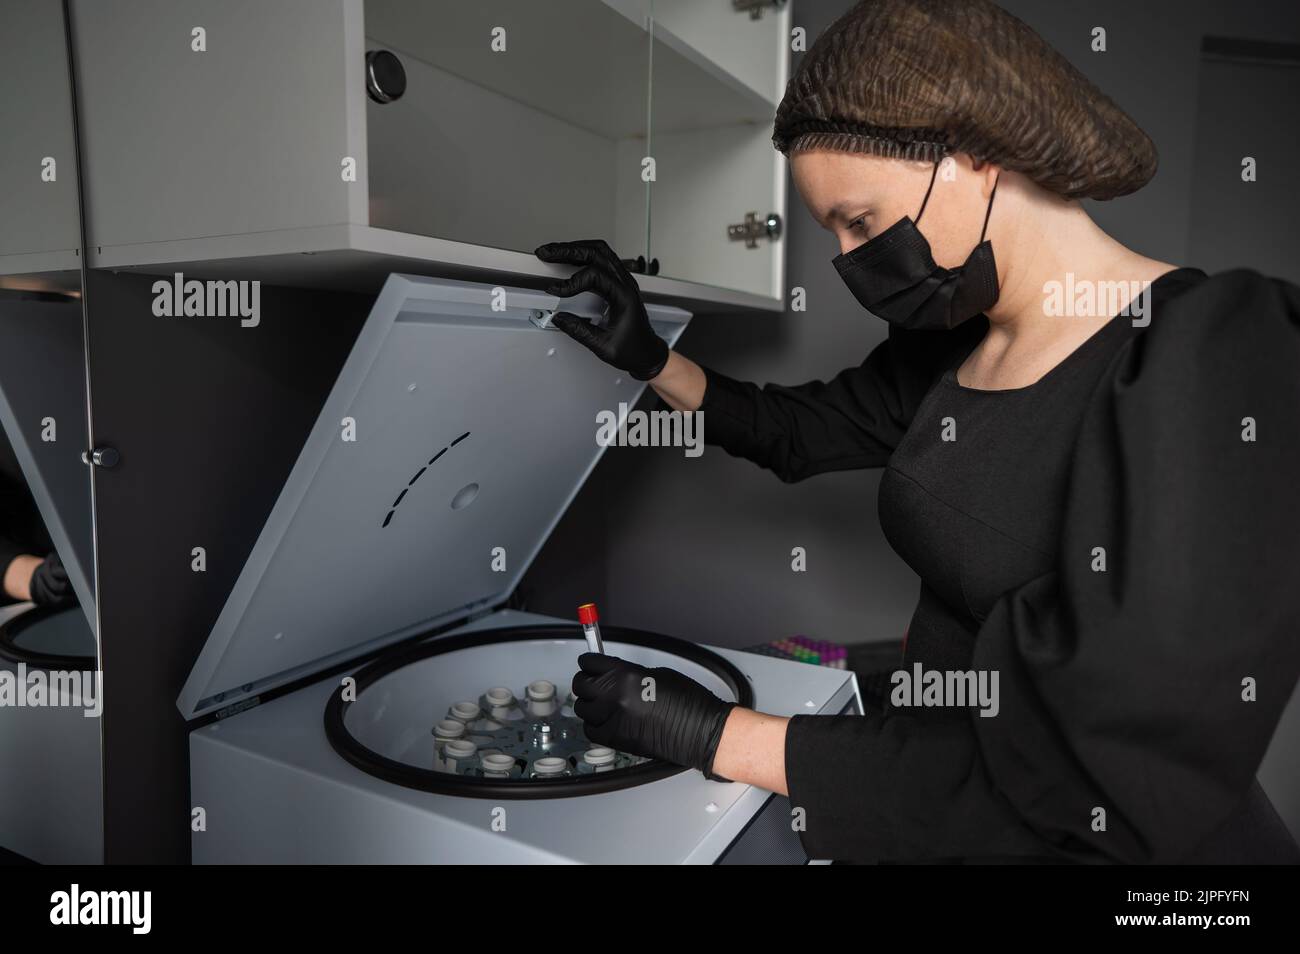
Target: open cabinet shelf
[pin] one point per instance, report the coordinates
(359, 258)
(237, 166)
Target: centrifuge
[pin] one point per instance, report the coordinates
(50, 783)
(364, 696)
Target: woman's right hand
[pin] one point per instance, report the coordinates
(50, 585)
(44, 582)
(627, 342)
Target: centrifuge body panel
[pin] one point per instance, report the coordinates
(50, 781)
(273, 790)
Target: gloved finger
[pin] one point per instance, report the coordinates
(585, 686)
(602, 734)
(582, 252)
(597, 664)
(589, 278)
(593, 712)
(601, 260)
(576, 253)
(600, 248)
(581, 331)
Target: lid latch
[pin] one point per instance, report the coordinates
(541, 317)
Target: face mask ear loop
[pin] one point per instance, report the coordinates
(926, 200)
(989, 212)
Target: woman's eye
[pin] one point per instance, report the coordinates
(859, 224)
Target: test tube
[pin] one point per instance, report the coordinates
(444, 730)
(457, 754)
(541, 698)
(496, 764)
(591, 627)
(600, 758)
(466, 712)
(550, 767)
(500, 702)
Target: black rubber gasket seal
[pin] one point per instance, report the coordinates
(11, 629)
(445, 783)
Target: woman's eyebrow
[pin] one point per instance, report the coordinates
(846, 212)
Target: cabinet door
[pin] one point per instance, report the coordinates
(51, 779)
(717, 75)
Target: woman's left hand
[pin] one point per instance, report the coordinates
(658, 713)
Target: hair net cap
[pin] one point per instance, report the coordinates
(920, 79)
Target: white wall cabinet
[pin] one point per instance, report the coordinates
(521, 122)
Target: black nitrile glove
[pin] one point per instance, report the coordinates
(50, 586)
(658, 713)
(627, 342)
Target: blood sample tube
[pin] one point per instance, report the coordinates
(591, 627)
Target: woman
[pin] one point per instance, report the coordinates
(1090, 460)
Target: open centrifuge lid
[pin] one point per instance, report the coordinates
(457, 433)
(43, 383)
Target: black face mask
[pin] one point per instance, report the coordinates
(894, 276)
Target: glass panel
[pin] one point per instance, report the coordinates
(50, 759)
(717, 78)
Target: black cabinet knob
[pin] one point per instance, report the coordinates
(385, 76)
(101, 457)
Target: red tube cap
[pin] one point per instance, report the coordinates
(587, 614)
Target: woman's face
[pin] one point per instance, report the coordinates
(857, 197)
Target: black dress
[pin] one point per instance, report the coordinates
(1109, 542)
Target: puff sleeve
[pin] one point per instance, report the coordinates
(851, 422)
